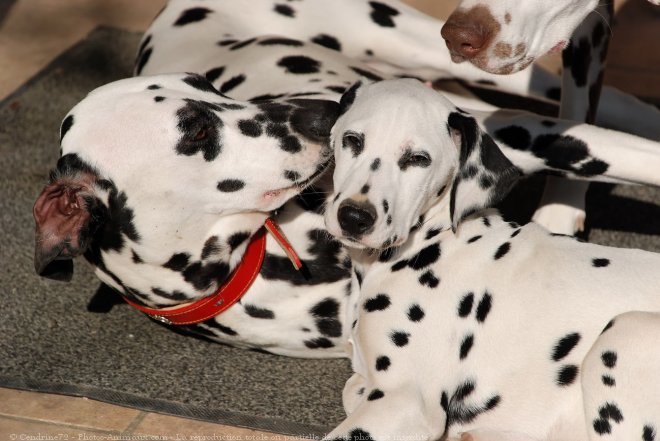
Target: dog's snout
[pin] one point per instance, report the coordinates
(356, 218)
(468, 33)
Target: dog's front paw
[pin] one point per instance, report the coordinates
(560, 219)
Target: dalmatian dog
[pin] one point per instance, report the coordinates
(505, 37)
(473, 327)
(166, 179)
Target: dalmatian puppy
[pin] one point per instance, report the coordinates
(504, 37)
(474, 327)
(165, 180)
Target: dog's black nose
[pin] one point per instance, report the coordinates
(356, 218)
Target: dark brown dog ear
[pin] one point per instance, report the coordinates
(484, 176)
(62, 229)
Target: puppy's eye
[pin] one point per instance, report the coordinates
(414, 159)
(353, 141)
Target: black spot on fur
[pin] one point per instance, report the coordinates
(378, 303)
(215, 73)
(400, 338)
(383, 363)
(365, 73)
(319, 343)
(158, 99)
(365, 189)
(459, 410)
(425, 257)
(291, 175)
(515, 137)
(567, 375)
(236, 239)
(285, 10)
(415, 313)
(327, 41)
(608, 412)
(211, 323)
(609, 359)
(466, 345)
(66, 125)
(565, 345)
(433, 232)
(429, 279)
(375, 165)
(383, 14)
(232, 83)
(326, 315)
(192, 15)
(211, 246)
(230, 185)
(648, 433)
(608, 381)
(281, 41)
(250, 128)
(299, 64)
(200, 82)
(200, 130)
(259, 313)
(600, 263)
(484, 307)
(227, 42)
(554, 93)
(502, 250)
(135, 258)
(515, 233)
(474, 239)
(178, 262)
(465, 306)
(242, 44)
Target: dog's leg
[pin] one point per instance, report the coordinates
(620, 380)
(388, 415)
(576, 150)
(561, 209)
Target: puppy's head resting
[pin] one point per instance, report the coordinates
(162, 180)
(400, 149)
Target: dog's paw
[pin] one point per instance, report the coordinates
(560, 219)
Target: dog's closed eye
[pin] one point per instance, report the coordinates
(353, 141)
(412, 158)
(201, 134)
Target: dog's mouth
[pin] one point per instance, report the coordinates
(299, 185)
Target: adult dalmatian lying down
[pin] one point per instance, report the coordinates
(163, 180)
(476, 327)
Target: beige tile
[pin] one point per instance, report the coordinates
(65, 410)
(181, 429)
(23, 430)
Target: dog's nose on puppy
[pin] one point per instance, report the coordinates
(356, 218)
(468, 33)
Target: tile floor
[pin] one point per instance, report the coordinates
(33, 32)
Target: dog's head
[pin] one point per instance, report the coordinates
(162, 180)
(504, 36)
(400, 149)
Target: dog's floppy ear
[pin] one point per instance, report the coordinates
(314, 118)
(484, 176)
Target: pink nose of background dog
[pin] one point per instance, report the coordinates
(469, 32)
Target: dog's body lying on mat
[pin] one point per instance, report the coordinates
(475, 324)
(164, 179)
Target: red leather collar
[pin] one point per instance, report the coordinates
(231, 291)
